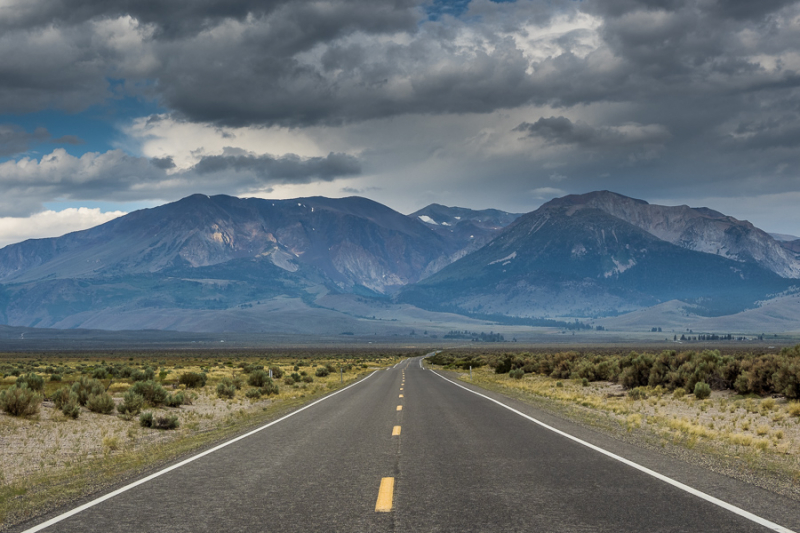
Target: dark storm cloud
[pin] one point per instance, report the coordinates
(561, 130)
(287, 169)
(164, 163)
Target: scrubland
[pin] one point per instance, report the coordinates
(72, 423)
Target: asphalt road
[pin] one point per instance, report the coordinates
(459, 463)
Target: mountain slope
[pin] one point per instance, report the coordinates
(350, 242)
(566, 261)
(698, 229)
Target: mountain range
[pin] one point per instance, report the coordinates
(353, 265)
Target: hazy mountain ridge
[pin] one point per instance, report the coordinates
(568, 260)
(248, 261)
(699, 229)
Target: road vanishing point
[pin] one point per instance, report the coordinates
(408, 449)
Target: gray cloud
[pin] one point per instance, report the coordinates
(116, 176)
(561, 130)
(286, 169)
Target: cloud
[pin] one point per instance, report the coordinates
(561, 130)
(52, 223)
(14, 140)
(117, 176)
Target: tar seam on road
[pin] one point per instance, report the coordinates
(727, 506)
(128, 487)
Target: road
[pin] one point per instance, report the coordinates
(407, 450)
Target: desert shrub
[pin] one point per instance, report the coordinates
(56, 377)
(296, 377)
(87, 387)
(756, 375)
(165, 422)
(786, 379)
(146, 419)
(269, 388)
(131, 405)
(146, 374)
(99, 373)
(308, 379)
(62, 396)
(637, 393)
(253, 393)
(258, 378)
(238, 382)
(584, 382)
(153, 393)
(226, 388)
(502, 366)
(277, 373)
(702, 390)
(559, 384)
(289, 380)
(35, 382)
(636, 370)
(331, 368)
(193, 380)
(680, 392)
(19, 400)
(516, 373)
(71, 408)
(322, 372)
(176, 400)
(100, 403)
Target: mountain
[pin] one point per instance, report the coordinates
(467, 229)
(699, 229)
(570, 259)
(348, 242)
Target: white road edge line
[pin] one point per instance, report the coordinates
(126, 488)
(727, 506)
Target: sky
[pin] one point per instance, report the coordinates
(110, 106)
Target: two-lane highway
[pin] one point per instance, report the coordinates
(407, 450)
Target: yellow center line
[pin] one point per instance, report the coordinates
(401, 396)
(395, 431)
(385, 493)
(401, 388)
(399, 407)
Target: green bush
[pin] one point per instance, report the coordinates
(226, 388)
(56, 377)
(702, 390)
(71, 408)
(100, 403)
(253, 393)
(517, 373)
(146, 374)
(308, 379)
(87, 387)
(146, 419)
(176, 400)
(258, 378)
(680, 392)
(153, 393)
(99, 373)
(132, 404)
(322, 371)
(296, 377)
(165, 422)
(193, 380)
(289, 380)
(19, 400)
(35, 382)
(62, 396)
(277, 373)
(269, 388)
(637, 393)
